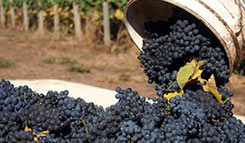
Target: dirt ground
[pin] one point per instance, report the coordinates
(35, 57)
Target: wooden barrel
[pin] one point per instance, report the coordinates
(225, 18)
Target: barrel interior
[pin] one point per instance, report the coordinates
(142, 11)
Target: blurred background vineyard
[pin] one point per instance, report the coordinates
(89, 11)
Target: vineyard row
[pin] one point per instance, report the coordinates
(68, 16)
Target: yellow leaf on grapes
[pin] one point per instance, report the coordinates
(170, 95)
(27, 128)
(212, 88)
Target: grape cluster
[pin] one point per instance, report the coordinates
(41, 117)
(194, 118)
(20, 136)
(198, 118)
(213, 111)
(176, 42)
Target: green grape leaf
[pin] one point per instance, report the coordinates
(184, 74)
(191, 71)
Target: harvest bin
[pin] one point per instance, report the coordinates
(225, 18)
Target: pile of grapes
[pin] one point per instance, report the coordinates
(195, 116)
(176, 43)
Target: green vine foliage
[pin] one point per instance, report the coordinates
(31, 4)
(6, 4)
